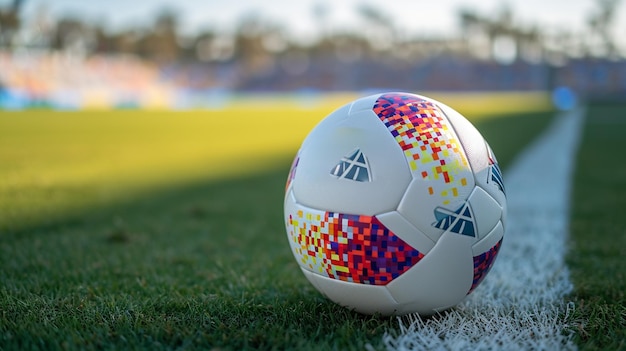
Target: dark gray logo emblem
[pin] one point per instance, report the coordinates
(354, 167)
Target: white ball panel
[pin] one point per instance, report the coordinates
(343, 111)
(335, 138)
(471, 139)
(418, 205)
(441, 279)
(478, 153)
(364, 104)
(485, 179)
(490, 240)
(406, 231)
(362, 298)
(313, 279)
(487, 211)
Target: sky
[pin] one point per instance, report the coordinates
(416, 17)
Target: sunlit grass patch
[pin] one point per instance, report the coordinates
(53, 163)
(169, 231)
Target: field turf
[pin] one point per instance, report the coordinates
(135, 229)
(597, 257)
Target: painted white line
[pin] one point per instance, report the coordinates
(520, 304)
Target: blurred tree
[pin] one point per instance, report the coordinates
(320, 11)
(486, 36)
(250, 50)
(10, 23)
(160, 43)
(601, 23)
(126, 42)
(105, 43)
(214, 46)
(75, 37)
(379, 28)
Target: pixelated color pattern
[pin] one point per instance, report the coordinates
(351, 248)
(483, 263)
(428, 140)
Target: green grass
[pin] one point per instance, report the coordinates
(57, 162)
(598, 229)
(196, 261)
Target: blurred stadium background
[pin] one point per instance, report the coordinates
(56, 56)
(141, 226)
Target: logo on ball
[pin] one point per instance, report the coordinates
(353, 167)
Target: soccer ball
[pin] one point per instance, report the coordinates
(395, 204)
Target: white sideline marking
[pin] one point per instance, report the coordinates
(519, 306)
